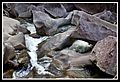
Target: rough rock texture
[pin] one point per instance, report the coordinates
(45, 25)
(69, 6)
(19, 9)
(9, 52)
(93, 8)
(9, 10)
(23, 57)
(23, 10)
(23, 29)
(5, 36)
(8, 74)
(9, 25)
(57, 10)
(56, 42)
(107, 16)
(78, 73)
(90, 27)
(17, 41)
(105, 54)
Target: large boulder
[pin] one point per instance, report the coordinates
(9, 25)
(17, 41)
(19, 9)
(56, 10)
(69, 6)
(107, 16)
(93, 8)
(104, 55)
(9, 10)
(56, 42)
(90, 27)
(23, 9)
(45, 25)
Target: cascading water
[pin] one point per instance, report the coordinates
(31, 44)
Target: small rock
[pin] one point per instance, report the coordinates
(81, 46)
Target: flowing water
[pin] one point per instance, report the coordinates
(42, 66)
(31, 44)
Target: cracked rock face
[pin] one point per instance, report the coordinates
(90, 27)
(105, 54)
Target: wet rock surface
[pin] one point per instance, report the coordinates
(59, 40)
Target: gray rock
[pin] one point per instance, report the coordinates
(17, 41)
(57, 42)
(104, 55)
(23, 29)
(9, 53)
(90, 27)
(93, 8)
(57, 10)
(68, 6)
(23, 10)
(9, 25)
(107, 16)
(45, 25)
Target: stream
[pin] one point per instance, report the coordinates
(31, 44)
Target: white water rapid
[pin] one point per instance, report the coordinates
(31, 44)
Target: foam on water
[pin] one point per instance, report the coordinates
(31, 44)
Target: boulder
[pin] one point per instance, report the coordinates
(104, 55)
(56, 10)
(17, 41)
(78, 73)
(23, 57)
(10, 10)
(22, 9)
(107, 16)
(69, 6)
(8, 74)
(23, 29)
(90, 27)
(9, 52)
(81, 46)
(9, 25)
(6, 36)
(56, 42)
(45, 25)
(93, 8)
